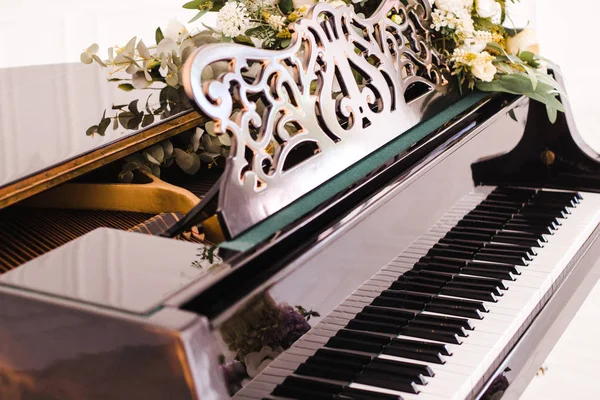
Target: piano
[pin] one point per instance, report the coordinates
(372, 235)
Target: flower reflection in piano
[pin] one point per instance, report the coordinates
(258, 333)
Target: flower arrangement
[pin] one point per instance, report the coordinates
(469, 33)
(483, 55)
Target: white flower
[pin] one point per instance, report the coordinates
(233, 19)
(526, 40)
(300, 3)
(337, 3)
(277, 22)
(484, 71)
(460, 20)
(175, 31)
(489, 9)
(257, 361)
(478, 42)
(454, 5)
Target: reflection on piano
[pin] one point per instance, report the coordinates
(489, 215)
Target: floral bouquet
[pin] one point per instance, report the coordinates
(470, 34)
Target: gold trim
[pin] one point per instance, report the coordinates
(155, 197)
(45, 180)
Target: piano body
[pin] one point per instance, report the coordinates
(445, 242)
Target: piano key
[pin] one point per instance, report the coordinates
(493, 335)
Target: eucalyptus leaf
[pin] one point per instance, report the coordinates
(103, 125)
(157, 152)
(130, 166)
(133, 107)
(209, 157)
(169, 162)
(193, 5)
(158, 36)
(86, 58)
(126, 177)
(225, 139)
(91, 130)
(124, 119)
(198, 16)
(167, 148)
(147, 120)
(130, 46)
(143, 50)
(189, 163)
(151, 160)
(195, 139)
(146, 168)
(210, 128)
(243, 39)
(98, 60)
(155, 170)
(127, 87)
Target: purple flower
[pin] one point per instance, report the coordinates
(293, 325)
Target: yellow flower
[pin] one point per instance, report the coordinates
(284, 34)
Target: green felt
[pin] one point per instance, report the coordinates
(308, 202)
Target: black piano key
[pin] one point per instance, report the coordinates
(446, 327)
(487, 273)
(542, 229)
(421, 345)
(498, 258)
(393, 373)
(364, 336)
(439, 319)
(401, 367)
(303, 388)
(349, 393)
(526, 256)
(415, 286)
(467, 236)
(406, 295)
(336, 373)
(454, 310)
(487, 245)
(350, 358)
(371, 317)
(471, 279)
(390, 312)
(514, 191)
(481, 223)
(478, 305)
(352, 344)
(490, 288)
(369, 326)
(334, 363)
(505, 238)
(469, 294)
(415, 354)
(437, 251)
(377, 379)
(432, 334)
(494, 232)
(495, 266)
(393, 302)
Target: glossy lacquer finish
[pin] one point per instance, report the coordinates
(55, 352)
(122, 270)
(46, 110)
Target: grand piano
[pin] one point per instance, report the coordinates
(410, 243)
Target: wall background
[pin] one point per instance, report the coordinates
(36, 32)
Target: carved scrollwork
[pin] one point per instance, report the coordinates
(344, 87)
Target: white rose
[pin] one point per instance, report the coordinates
(484, 71)
(489, 9)
(473, 45)
(526, 40)
(300, 3)
(454, 5)
(337, 3)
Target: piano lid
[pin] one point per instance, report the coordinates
(121, 270)
(46, 110)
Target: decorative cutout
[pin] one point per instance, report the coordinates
(344, 87)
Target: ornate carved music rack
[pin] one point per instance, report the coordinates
(344, 87)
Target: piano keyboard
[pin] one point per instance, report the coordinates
(437, 321)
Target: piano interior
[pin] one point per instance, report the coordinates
(148, 205)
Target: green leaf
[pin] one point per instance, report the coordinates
(188, 162)
(285, 42)
(127, 87)
(91, 130)
(158, 36)
(133, 107)
(147, 120)
(529, 58)
(103, 125)
(193, 5)
(245, 40)
(126, 177)
(198, 16)
(286, 6)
